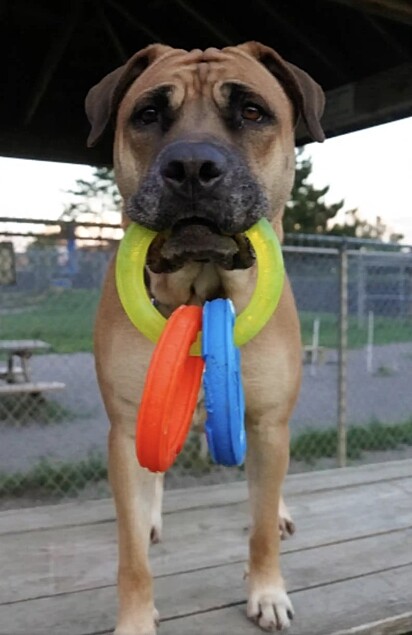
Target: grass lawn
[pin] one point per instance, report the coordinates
(65, 318)
(387, 330)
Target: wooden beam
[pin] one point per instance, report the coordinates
(323, 52)
(133, 21)
(396, 10)
(70, 147)
(380, 28)
(378, 99)
(207, 24)
(117, 45)
(52, 61)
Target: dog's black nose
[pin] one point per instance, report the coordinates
(192, 168)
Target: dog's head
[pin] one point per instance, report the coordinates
(205, 138)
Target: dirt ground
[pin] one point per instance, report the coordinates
(384, 395)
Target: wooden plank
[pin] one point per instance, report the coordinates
(86, 512)
(75, 558)
(346, 477)
(384, 96)
(17, 370)
(32, 387)
(398, 624)
(209, 588)
(9, 346)
(324, 610)
(53, 516)
(397, 10)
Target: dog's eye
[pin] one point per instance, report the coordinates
(252, 112)
(147, 115)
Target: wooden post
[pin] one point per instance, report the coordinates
(361, 280)
(315, 347)
(342, 353)
(369, 345)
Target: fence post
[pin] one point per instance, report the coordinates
(361, 279)
(342, 353)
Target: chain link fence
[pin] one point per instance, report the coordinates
(355, 304)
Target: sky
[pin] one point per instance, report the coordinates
(370, 169)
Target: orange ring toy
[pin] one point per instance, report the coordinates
(170, 392)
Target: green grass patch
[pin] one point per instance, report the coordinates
(316, 444)
(386, 330)
(62, 317)
(65, 319)
(49, 478)
(58, 478)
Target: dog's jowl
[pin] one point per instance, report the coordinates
(203, 148)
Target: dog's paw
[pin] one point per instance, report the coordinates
(286, 528)
(142, 629)
(156, 533)
(286, 525)
(156, 522)
(156, 525)
(270, 608)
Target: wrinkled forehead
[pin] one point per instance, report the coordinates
(206, 73)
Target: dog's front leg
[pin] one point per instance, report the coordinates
(267, 462)
(134, 490)
(271, 374)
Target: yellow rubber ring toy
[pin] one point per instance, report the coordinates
(130, 263)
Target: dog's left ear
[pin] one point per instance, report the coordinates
(305, 94)
(103, 99)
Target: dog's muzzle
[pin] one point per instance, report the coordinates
(200, 196)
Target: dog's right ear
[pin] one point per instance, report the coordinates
(103, 99)
(306, 95)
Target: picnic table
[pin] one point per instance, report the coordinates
(17, 373)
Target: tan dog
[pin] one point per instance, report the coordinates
(204, 147)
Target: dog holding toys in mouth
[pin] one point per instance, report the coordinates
(203, 148)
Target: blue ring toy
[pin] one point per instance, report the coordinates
(222, 379)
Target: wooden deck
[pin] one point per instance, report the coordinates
(348, 568)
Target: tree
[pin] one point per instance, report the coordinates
(356, 227)
(307, 212)
(95, 196)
